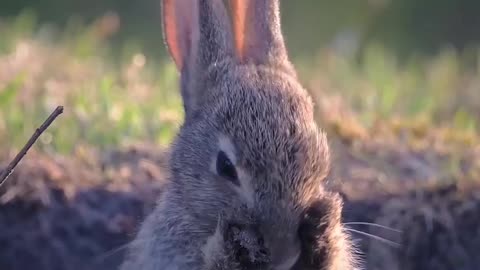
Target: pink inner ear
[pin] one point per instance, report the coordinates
(239, 13)
(252, 34)
(258, 34)
(170, 29)
(179, 20)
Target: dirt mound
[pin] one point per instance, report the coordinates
(71, 215)
(437, 229)
(80, 213)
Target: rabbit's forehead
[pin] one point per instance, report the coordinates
(270, 126)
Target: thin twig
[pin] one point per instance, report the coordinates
(9, 170)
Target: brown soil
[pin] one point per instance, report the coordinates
(79, 213)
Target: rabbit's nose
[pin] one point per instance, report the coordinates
(285, 252)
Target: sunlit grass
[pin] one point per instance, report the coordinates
(444, 90)
(105, 105)
(136, 99)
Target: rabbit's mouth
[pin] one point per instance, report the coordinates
(288, 263)
(285, 254)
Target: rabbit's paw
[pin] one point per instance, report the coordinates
(319, 234)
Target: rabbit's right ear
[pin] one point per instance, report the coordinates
(258, 33)
(197, 34)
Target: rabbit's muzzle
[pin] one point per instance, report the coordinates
(256, 248)
(266, 234)
(284, 249)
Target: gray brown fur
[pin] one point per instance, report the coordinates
(256, 103)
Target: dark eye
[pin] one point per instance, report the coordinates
(225, 167)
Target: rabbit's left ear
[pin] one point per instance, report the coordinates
(197, 34)
(258, 34)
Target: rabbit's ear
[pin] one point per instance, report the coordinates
(180, 28)
(258, 34)
(197, 34)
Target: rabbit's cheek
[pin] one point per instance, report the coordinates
(245, 190)
(213, 247)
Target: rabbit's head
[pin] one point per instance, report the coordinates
(249, 138)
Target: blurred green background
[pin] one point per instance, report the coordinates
(104, 60)
(405, 26)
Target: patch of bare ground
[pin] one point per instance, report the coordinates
(76, 213)
(414, 188)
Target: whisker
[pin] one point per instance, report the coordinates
(378, 238)
(111, 252)
(118, 249)
(373, 225)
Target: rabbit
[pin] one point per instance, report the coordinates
(247, 167)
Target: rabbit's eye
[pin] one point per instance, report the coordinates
(225, 168)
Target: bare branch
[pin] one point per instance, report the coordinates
(9, 170)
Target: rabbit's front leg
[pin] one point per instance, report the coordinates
(322, 238)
